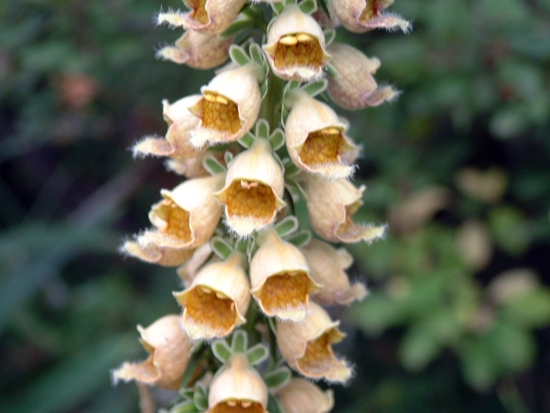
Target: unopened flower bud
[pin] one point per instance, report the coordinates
(328, 267)
(229, 106)
(190, 167)
(302, 396)
(360, 16)
(198, 50)
(187, 216)
(331, 204)
(237, 388)
(354, 87)
(165, 256)
(315, 139)
(307, 346)
(170, 350)
(217, 299)
(253, 190)
(177, 141)
(280, 279)
(211, 16)
(296, 46)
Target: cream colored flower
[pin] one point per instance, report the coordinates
(211, 16)
(328, 267)
(177, 143)
(315, 139)
(331, 204)
(295, 46)
(302, 396)
(253, 190)
(191, 267)
(306, 346)
(229, 106)
(280, 279)
(198, 50)
(170, 350)
(217, 300)
(237, 388)
(165, 256)
(354, 87)
(187, 216)
(190, 167)
(359, 16)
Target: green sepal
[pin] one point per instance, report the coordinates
(200, 399)
(221, 247)
(247, 140)
(315, 87)
(239, 342)
(227, 157)
(330, 35)
(186, 393)
(221, 350)
(277, 378)
(290, 168)
(273, 405)
(262, 129)
(287, 226)
(185, 407)
(299, 239)
(323, 5)
(256, 53)
(238, 55)
(277, 139)
(291, 2)
(242, 22)
(331, 70)
(257, 354)
(308, 6)
(293, 185)
(278, 7)
(242, 245)
(212, 165)
(264, 86)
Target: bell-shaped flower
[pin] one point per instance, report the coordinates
(280, 279)
(190, 167)
(151, 253)
(198, 50)
(187, 216)
(354, 87)
(302, 396)
(360, 16)
(217, 299)
(211, 16)
(316, 140)
(237, 388)
(331, 205)
(328, 267)
(177, 143)
(229, 106)
(170, 351)
(307, 346)
(295, 46)
(253, 190)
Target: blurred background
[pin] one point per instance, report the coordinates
(459, 311)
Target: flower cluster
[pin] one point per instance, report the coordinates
(255, 145)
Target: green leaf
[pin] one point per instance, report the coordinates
(308, 6)
(238, 55)
(277, 139)
(221, 350)
(221, 247)
(239, 343)
(286, 226)
(324, 7)
(277, 378)
(315, 87)
(299, 239)
(262, 129)
(418, 348)
(331, 70)
(212, 165)
(530, 310)
(479, 370)
(257, 354)
(247, 140)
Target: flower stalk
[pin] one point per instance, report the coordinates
(252, 143)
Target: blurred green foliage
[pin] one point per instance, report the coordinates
(458, 167)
